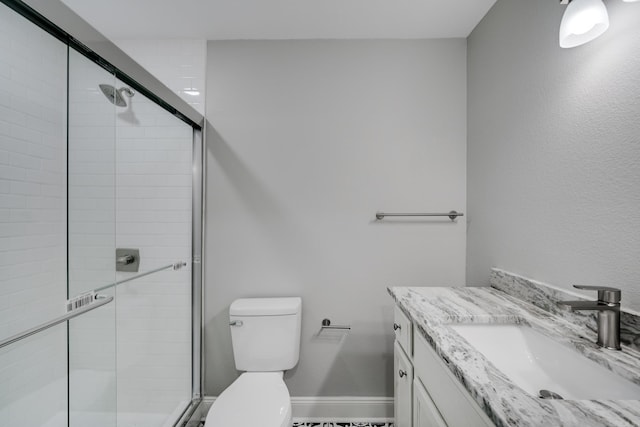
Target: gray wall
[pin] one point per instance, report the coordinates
(554, 150)
(308, 139)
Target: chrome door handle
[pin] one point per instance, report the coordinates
(396, 327)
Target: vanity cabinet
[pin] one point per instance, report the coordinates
(426, 393)
(403, 386)
(402, 370)
(425, 413)
(403, 329)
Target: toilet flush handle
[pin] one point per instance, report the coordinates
(236, 323)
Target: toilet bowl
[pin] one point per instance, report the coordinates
(255, 399)
(265, 334)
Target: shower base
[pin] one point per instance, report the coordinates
(101, 419)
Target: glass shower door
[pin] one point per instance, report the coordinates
(154, 173)
(33, 372)
(87, 166)
(130, 186)
(92, 204)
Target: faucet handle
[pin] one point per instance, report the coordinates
(605, 293)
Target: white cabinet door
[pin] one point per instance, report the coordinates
(453, 401)
(425, 413)
(403, 330)
(402, 384)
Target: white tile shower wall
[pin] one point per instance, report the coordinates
(153, 214)
(179, 64)
(32, 220)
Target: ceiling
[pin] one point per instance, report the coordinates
(281, 19)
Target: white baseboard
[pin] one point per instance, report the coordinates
(344, 408)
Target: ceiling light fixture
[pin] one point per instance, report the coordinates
(583, 21)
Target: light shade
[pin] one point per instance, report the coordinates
(583, 21)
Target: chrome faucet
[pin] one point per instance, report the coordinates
(608, 308)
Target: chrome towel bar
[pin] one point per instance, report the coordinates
(176, 266)
(452, 215)
(99, 301)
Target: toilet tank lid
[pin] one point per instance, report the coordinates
(265, 306)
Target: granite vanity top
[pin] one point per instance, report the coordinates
(433, 309)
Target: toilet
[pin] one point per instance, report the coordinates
(265, 333)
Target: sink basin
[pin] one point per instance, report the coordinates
(535, 362)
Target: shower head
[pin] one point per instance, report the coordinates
(115, 95)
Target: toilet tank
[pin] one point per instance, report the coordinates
(265, 333)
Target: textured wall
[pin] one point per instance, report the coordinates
(307, 141)
(554, 150)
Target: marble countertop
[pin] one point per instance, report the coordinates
(433, 309)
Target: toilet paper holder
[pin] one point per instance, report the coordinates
(326, 324)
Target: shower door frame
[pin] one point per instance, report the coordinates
(57, 19)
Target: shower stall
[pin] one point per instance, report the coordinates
(100, 232)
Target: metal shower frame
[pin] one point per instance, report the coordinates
(61, 22)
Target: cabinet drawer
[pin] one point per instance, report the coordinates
(454, 403)
(404, 332)
(402, 385)
(425, 413)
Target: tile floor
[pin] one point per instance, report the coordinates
(341, 424)
(318, 424)
(198, 418)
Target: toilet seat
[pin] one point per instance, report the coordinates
(254, 399)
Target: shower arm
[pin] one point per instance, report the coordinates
(127, 91)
